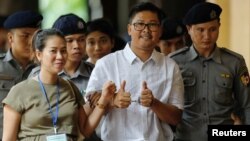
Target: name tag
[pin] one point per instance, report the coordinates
(59, 137)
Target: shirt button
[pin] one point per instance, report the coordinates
(205, 114)
(204, 66)
(203, 98)
(203, 81)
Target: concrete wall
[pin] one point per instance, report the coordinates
(235, 26)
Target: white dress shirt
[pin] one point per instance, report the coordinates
(138, 123)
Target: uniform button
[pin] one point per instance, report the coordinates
(203, 81)
(203, 98)
(205, 114)
(204, 66)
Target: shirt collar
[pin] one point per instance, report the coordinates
(216, 55)
(82, 70)
(193, 54)
(129, 54)
(131, 57)
(8, 56)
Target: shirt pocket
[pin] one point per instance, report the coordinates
(223, 91)
(6, 82)
(189, 84)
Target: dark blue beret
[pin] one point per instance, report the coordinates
(2, 19)
(70, 24)
(202, 12)
(172, 28)
(23, 19)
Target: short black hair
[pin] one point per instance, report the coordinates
(145, 6)
(102, 25)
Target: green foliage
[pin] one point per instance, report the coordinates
(52, 9)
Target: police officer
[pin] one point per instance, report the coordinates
(76, 69)
(173, 35)
(15, 65)
(215, 78)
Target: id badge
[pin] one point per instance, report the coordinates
(58, 137)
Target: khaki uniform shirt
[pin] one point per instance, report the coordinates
(213, 86)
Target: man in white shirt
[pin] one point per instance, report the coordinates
(149, 84)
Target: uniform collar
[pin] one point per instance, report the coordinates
(216, 55)
(8, 57)
(82, 70)
(131, 57)
(193, 54)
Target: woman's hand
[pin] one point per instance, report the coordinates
(108, 91)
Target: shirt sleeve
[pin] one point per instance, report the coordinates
(14, 99)
(97, 78)
(176, 97)
(242, 91)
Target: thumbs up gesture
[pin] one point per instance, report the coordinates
(122, 99)
(147, 97)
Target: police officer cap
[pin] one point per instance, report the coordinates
(172, 28)
(2, 19)
(202, 12)
(23, 19)
(70, 24)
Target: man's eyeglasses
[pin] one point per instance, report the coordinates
(141, 26)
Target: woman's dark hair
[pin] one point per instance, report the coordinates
(145, 6)
(40, 37)
(101, 25)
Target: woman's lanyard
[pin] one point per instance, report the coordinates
(53, 115)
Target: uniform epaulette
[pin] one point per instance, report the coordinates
(232, 52)
(2, 55)
(179, 51)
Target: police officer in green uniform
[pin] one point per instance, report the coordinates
(15, 65)
(216, 79)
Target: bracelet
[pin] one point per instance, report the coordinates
(101, 106)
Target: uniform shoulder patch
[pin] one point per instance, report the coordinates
(231, 52)
(244, 77)
(244, 74)
(179, 51)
